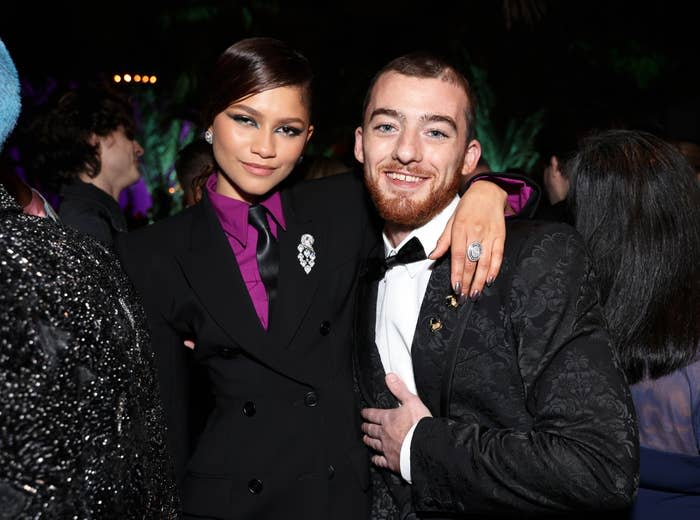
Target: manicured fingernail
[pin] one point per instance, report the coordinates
(458, 288)
(474, 295)
(489, 282)
(462, 299)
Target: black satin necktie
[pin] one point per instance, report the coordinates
(266, 251)
(412, 251)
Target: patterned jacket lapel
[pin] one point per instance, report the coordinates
(434, 343)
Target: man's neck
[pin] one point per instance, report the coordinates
(396, 233)
(102, 184)
(428, 232)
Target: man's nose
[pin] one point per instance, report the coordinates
(408, 148)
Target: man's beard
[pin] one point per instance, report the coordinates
(401, 209)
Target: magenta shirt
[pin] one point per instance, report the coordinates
(243, 238)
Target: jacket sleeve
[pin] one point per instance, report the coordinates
(173, 362)
(581, 451)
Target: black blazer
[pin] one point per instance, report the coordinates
(532, 416)
(282, 439)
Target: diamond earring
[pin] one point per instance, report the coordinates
(209, 136)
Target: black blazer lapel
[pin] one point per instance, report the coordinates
(297, 288)
(213, 274)
(438, 333)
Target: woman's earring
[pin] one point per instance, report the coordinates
(209, 136)
(301, 158)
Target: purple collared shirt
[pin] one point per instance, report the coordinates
(243, 238)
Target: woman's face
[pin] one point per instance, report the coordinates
(258, 141)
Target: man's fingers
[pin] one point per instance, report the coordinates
(373, 430)
(373, 415)
(373, 443)
(380, 461)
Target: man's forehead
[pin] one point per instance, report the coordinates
(400, 93)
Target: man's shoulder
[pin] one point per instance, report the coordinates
(545, 243)
(520, 232)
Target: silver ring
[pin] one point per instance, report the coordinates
(474, 251)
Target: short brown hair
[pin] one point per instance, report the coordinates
(427, 65)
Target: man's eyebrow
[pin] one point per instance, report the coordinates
(438, 118)
(427, 118)
(387, 112)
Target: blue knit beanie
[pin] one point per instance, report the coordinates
(9, 94)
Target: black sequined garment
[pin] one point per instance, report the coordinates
(81, 428)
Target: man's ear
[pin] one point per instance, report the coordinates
(471, 157)
(359, 153)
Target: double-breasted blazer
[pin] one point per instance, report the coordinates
(531, 414)
(282, 438)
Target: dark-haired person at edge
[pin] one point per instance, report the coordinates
(261, 280)
(510, 405)
(636, 202)
(193, 162)
(83, 147)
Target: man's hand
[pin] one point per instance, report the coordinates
(478, 218)
(385, 430)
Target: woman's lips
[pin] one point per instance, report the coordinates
(257, 169)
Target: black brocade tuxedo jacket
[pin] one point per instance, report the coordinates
(531, 415)
(283, 437)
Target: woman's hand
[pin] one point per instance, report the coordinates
(478, 218)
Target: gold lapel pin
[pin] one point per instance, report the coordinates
(451, 301)
(435, 324)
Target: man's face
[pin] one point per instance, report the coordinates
(413, 145)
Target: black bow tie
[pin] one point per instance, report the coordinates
(412, 251)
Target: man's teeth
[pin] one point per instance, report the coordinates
(403, 177)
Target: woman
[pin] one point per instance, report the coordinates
(283, 437)
(636, 202)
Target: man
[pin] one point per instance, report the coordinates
(511, 403)
(84, 147)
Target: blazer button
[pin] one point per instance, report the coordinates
(325, 327)
(255, 486)
(331, 471)
(311, 399)
(249, 409)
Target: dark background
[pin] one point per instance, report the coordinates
(584, 63)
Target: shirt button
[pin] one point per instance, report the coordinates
(331, 471)
(325, 328)
(255, 486)
(311, 399)
(249, 409)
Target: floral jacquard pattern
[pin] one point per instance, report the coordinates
(532, 415)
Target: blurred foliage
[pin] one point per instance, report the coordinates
(509, 149)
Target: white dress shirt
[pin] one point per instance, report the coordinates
(399, 298)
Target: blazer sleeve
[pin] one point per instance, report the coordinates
(149, 274)
(581, 452)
